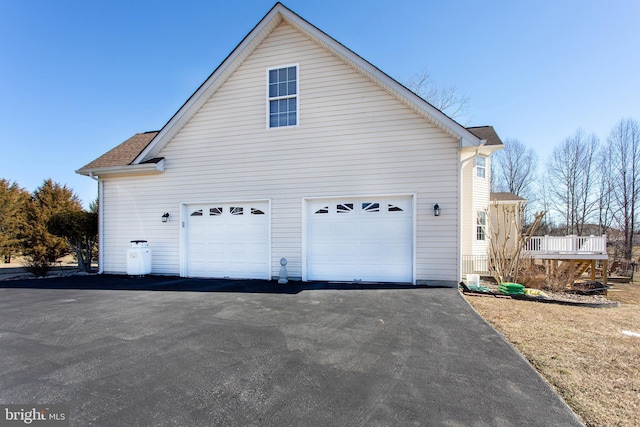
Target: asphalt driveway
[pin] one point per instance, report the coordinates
(171, 351)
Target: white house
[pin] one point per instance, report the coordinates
(296, 147)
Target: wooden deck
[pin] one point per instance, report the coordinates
(576, 254)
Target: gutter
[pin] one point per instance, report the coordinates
(139, 169)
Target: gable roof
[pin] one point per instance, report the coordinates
(149, 144)
(278, 14)
(122, 155)
(487, 133)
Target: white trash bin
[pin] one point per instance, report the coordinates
(139, 258)
(473, 280)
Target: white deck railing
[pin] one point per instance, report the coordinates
(567, 245)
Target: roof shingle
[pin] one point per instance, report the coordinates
(124, 153)
(486, 132)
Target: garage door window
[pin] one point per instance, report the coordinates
(371, 207)
(366, 207)
(344, 208)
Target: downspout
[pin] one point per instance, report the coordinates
(100, 222)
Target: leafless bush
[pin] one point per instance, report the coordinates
(532, 276)
(37, 265)
(508, 241)
(536, 277)
(558, 281)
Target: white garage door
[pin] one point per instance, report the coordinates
(228, 240)
(368, 239)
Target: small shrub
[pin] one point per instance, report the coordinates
(534, 281)
(532, 276)
(38, 266)
(558, 281)
(536, 277)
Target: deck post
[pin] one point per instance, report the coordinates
(572, 271)
(593, 270)
(605, 271)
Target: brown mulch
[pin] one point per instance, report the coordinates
(567, 297)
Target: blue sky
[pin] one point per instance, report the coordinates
(79, 77)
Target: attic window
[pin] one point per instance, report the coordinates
(283, 96)
(481, 167)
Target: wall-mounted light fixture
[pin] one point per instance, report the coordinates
(165, 217)
(436, 209)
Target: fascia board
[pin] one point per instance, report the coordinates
(506, 202)
(137, 169)
(481, 148)
(487, 150)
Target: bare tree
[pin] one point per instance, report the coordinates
(607, 209)
(508, 240)
(445, 99)
(514, 169)
(624, 143)
(571, 177)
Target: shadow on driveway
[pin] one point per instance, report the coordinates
(174, 283)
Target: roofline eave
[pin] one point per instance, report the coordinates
(133, 169)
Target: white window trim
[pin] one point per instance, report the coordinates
(481, 223)
(481, 167)
(297, 96)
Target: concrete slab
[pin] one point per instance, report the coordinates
(171, 351)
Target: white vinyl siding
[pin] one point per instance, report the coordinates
(356, 140)
(475, 198)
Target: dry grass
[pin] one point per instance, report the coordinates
(582, 352)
